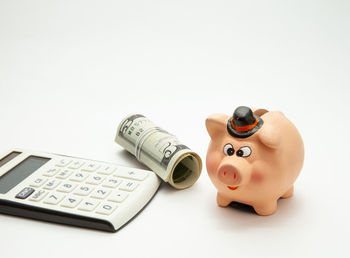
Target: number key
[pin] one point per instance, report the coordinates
(100, 193)
(88, 205)
(67, 187)
(95, 179)
(71, 201)
(83, 190)
(112, 182)
(54, 198)
(106, 208)
(79, 176)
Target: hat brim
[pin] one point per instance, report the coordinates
(244, 134)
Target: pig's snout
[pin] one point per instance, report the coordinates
(235, 173)
(229, 175)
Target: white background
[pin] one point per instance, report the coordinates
(71, 70)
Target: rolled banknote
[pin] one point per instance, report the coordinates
(159, 150)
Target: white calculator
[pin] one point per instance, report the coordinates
(72, 191)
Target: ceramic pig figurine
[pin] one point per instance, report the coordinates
(253, 157)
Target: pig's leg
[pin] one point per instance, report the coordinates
(266, 208)
(222, 200)
(289, 193)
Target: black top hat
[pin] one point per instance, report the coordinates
(243, 123)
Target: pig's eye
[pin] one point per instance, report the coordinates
(244, 152)
(228, 150)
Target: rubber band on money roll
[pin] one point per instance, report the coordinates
(142, 138)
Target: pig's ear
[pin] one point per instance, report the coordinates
(216, 124)
(259, 111)
(269, 136)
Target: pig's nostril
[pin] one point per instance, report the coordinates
(224, 173)
(234, 176)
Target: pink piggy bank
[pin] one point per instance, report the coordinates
(253, 157)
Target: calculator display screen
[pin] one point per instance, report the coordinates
(17, 174)
(9, 157)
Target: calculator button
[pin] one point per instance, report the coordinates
(76, 164)
(25, 193)
(54, 198)
(90, 167)
(51, 184)
(63, 162)
(128, 185)
(38, 195)
(95, 179)
(51, 172)
(88, 205)
(64, 173)
(79, 176)
(100, 193)
(132, 174)
(117, 196)
(67, 187)
(71, 201)
(38, 182)
(106, 170)
(106, 208)
(112, 182)
(83, 190)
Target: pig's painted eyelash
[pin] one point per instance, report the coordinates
(229, 150)
(244, 152)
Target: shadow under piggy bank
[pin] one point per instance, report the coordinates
(242, 216)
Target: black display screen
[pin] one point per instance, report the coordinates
(9, 157)
(17, 174)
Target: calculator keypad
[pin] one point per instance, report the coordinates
(76, 164)
(88, 205)
(71, 201)
(51, 184)
(90, 167)
(54, 198)
(112, 182)
(79, 176)
(38, 182)
(67, 187)
(63, 162)
(86, 186)
(38, 195)
(95, 179)
(64, 173)
(106, 208)
(100, 193)
(51, 171)
(83, 190)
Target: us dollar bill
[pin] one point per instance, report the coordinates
(159, 150)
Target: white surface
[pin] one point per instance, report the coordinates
(71, 70)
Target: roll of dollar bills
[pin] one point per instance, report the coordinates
(159, 150)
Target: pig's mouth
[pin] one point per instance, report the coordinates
(232, 187)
